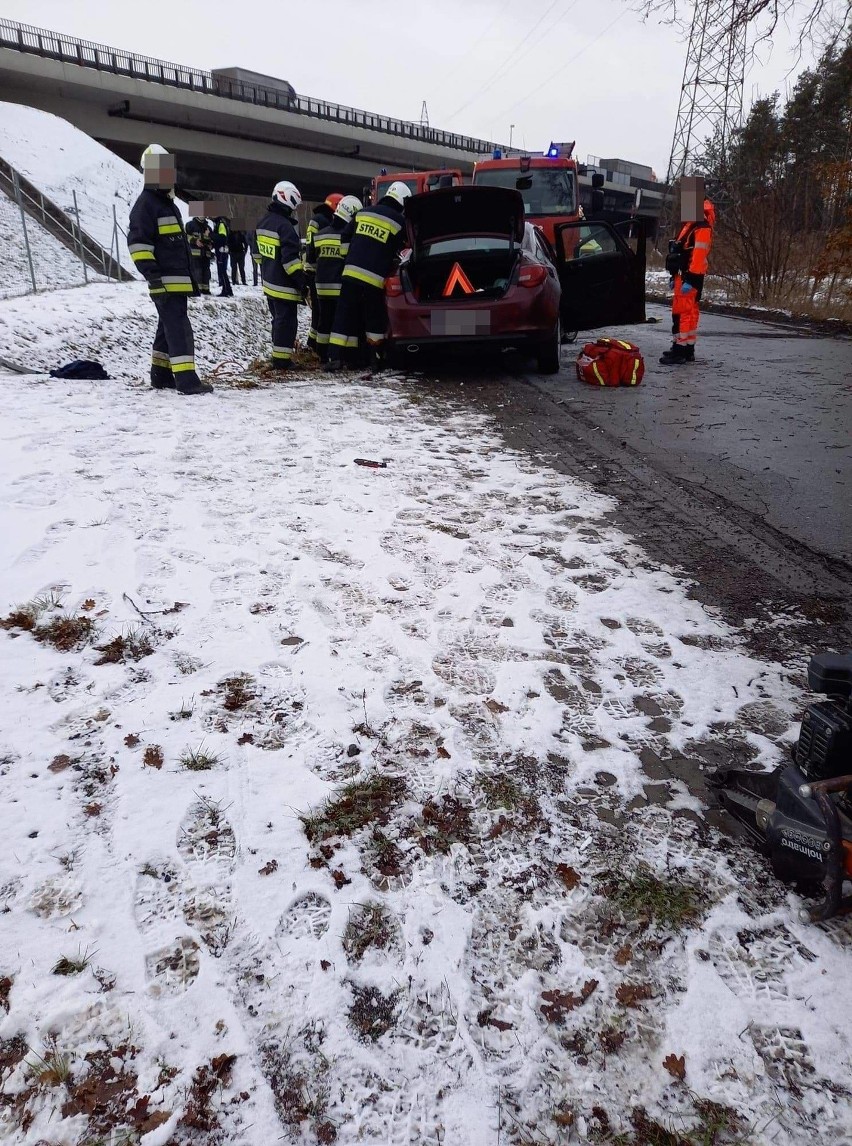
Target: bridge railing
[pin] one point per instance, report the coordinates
(55, 46)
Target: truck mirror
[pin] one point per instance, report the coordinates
(597, 202)
(598, 179)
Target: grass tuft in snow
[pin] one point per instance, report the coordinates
(713, 1125)
(369, 925)
(673, 903)
(133, 645)
(357, 804)
(66, 966)
(443, 823)
(50, 1069)
(65, 633)
(199, 759)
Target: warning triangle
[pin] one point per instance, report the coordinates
(458, 279)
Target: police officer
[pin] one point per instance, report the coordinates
(370, 244)
(159, 249)
(322, 216)
(688, 265)
(201, 244)
(282, 274)
(327, 262)
(221, 237)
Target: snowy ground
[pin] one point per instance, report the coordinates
(368, 838)
(54, 265)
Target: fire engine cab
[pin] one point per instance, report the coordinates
(416, 181)
(601, 265)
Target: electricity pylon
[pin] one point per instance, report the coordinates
(711, 94)
(424, 115)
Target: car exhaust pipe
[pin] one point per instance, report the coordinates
(413, 348)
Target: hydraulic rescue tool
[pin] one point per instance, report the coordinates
(800, 815)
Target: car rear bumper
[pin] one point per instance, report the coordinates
(520, 318)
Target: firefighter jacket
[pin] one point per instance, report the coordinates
(328, 260)
(276, 241)
(371, 242)
(320, 219)
(221, 234)
(200, 238)
(158, 244)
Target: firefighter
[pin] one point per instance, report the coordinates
(221, 238)
(282, 275)
(159, 249)
(322, 216)
(370, 244)
(688, 263)
(327, 262)
(237, 248)
(201, 244)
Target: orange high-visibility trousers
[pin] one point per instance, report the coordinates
(685, 315)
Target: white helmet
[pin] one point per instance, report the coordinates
(398, 191)
(287, 194)
(348, 206)
(151, 149)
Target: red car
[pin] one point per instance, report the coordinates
(476, 273)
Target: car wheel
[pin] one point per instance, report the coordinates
(569, 336)
(550, 351)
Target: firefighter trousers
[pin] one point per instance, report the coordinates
(174, 345)
(285, 322)
(201, 272)
(327, 306)
(361, 314)
(685, 315)
(238, 269)
(315, 310)
(222, 272)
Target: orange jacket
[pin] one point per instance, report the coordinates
(697, 239)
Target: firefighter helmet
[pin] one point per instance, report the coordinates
(151, 149)
(287, 194)
(399, 192)
(348, 206)
(333, 200)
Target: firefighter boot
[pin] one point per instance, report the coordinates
(378, 360)
(282, 365)
(190, 383)
(676, 356)
(162, 378)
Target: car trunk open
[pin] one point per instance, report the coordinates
(476, 229)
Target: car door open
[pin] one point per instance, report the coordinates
(603, 280)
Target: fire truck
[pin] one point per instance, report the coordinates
(417, 181)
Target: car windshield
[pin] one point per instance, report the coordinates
(383, 185)
(471, 243)
(550, 190)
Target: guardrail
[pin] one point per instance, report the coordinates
(55, 46)
(59, 223)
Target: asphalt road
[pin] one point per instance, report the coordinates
(763, 418)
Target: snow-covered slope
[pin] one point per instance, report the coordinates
(60, 159)
(54, 265)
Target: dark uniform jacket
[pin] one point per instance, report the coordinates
(200, 238)
(276, 242)
(158, 244)
(371, 242)
(320, 219)
(327, 259)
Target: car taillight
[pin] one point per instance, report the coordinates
(532, 276)
(393, 286)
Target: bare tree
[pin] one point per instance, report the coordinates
(820, 20)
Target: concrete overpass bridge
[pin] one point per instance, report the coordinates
(233, 138)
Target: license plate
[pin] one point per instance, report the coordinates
(460, 323)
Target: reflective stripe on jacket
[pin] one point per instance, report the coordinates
(371, 242)
(200, 238)
(695, 240)
(276, 241)
(158, 245)
(329, 260)
(320, 219)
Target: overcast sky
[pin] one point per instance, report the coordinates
(588, 70)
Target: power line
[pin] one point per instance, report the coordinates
(481, 38)
(561, 68)
(496, 74)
